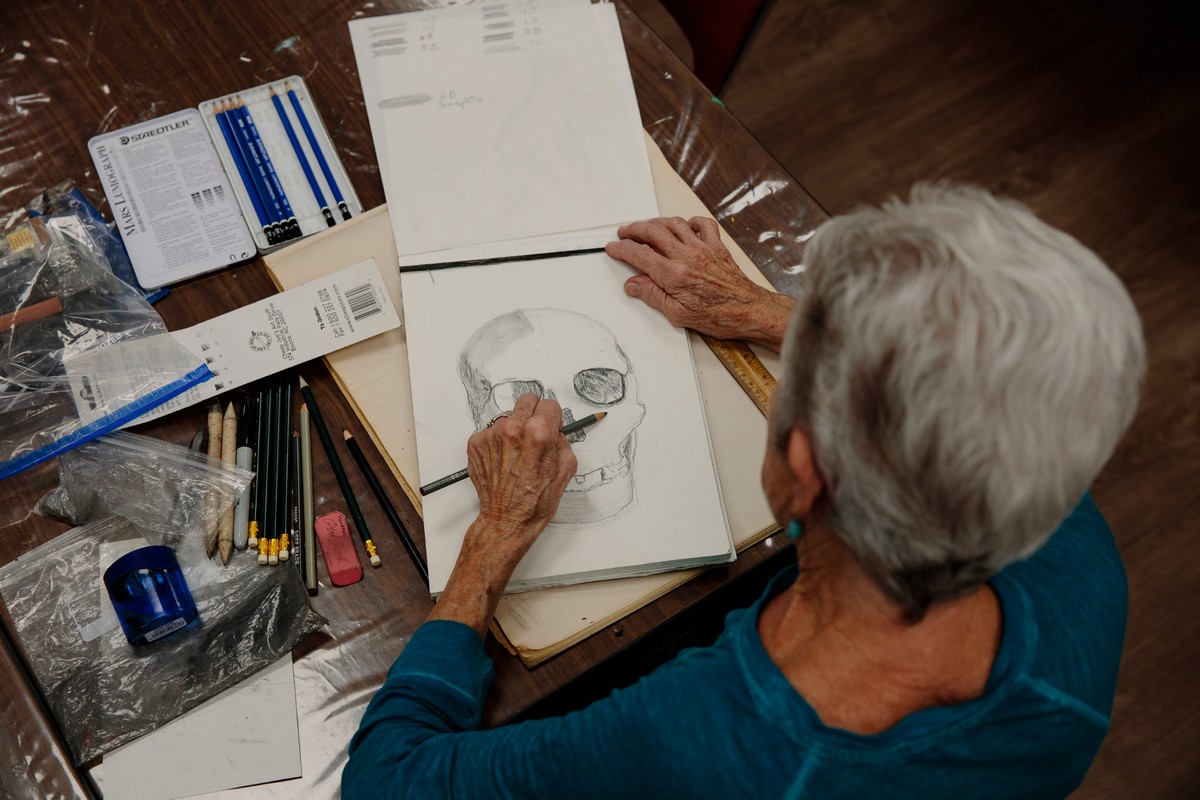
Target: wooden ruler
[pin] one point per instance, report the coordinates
(745, 367)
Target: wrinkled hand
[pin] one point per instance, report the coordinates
(690, 277)
(520, 467)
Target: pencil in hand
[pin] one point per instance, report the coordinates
(455, 477)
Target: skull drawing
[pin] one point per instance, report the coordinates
(575, 360)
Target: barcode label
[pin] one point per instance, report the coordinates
(363, 302)
(170, 627)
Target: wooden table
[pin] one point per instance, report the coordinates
(68, 73)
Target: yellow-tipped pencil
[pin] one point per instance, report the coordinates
(338, 472)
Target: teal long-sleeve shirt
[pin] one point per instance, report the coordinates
(723, 721)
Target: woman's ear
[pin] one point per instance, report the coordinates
(811, 484)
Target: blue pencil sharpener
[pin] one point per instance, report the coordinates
(149, 594)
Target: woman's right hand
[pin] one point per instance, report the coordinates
(520, 467)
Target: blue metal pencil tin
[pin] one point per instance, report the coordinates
(149, 594)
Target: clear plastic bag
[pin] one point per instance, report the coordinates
(81, 352)
(103, 690)
(66, 207)
(172, 494)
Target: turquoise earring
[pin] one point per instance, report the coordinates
(794, 529)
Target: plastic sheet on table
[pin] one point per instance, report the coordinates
(103, 690)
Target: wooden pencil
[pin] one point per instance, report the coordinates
(316, 148)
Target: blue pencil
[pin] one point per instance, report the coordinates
(258, 171)
(254, 185)
(290, 223)
(316, 148)
(258, 174)
(251, 190)
(308, 173)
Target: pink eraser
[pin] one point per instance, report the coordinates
(341, 558)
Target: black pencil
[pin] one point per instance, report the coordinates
(269, 538)
(338, 472)
(265, 475)
(388, 509)
(455, 477)
(283, 470)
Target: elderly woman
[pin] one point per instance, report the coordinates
(954, 378)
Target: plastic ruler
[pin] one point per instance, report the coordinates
(745, 367)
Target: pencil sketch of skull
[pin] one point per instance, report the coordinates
(571, 358)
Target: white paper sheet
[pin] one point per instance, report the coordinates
(490, 121)
(279, 332)
(244, 736)
(651, 499)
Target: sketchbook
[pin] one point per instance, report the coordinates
(374, 376)
(645, 497)
(528, 100)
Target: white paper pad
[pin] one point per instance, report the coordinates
(646, 498)
(243, 736)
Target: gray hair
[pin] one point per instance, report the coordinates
(963, 371)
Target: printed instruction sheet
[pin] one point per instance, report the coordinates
(170, 199)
